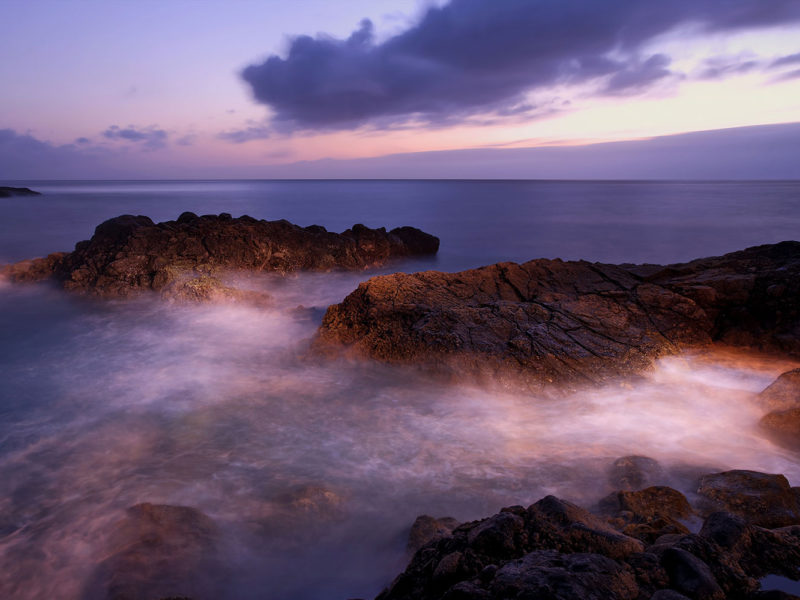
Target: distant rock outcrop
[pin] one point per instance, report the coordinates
(8, 192)
(549, 320)
(128, 254)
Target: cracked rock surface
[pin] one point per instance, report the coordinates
(550, 320)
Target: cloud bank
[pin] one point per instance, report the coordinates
(150, 138)
(472, 57)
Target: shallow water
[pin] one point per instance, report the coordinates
(315, 470)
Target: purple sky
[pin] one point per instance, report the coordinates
(244, 88)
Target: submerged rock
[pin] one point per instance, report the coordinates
(426, 529)
(631, 473)
(159, 551)
(130, 254)
(548, 320)
(8, 192)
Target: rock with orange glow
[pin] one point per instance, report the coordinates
(783, 393)
(762, 499)
(549, 320)
(130, 254)
(649, 513)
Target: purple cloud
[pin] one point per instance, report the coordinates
(472, 57)
(151, 138)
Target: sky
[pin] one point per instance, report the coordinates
(399, 88)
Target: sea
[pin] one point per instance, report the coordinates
(314, 472)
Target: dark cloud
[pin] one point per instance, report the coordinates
(719, 67)
(151, 138)
(792, 59)
(253, 131)
(473, 57)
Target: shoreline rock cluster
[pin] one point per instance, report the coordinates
(129, 255)
(635, 546)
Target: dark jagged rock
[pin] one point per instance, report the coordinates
(548, 320)
(130, 254)
(631, 473)
(159, 551)
(554, 549)
(8, 192)
(761, 498)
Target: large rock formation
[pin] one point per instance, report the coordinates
(556, 550)
(129, 254)
(548, 320)
(8, 192)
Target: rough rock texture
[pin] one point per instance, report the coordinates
(647, 514)
(130, 254)
(8, 192)
(548, 320)
(761, 498)
(783, 427)
(783, 393)
(556, 550)
(159, 551)
(427, 529)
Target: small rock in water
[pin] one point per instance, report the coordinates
(783, 393)
(427, 529)
(631, 473)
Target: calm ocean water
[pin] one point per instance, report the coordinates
(315, 472)
(479, 222)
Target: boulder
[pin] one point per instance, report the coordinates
(783, 393)
(631, 473)
(647, 514)
(760, 498)
(130, 254)
(426, 529)
(550, 320)
(783, 427)
(159, 551)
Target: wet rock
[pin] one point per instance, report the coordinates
(549, 574)
(690, 575)
(205, 288)
(668, 595)
(130, 254)
(760, 498)
(159, 551)
(8, 192)
(649, 513)
(427, 529)
(783, 427)
(549, 320)
(630, 473)
(783, 393)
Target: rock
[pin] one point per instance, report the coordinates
(130, 254)
(631, 473)
(690, 575)
(649, 513)
(783, 427)
(549, 574)
(668, 595)
(783, 393)
(427, 529)
(159, 551)
(760, 498)
(205, 288)
(549, 320)
(8, 192)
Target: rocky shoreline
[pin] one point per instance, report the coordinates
(539, 323)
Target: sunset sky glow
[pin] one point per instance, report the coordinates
(225, 89)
